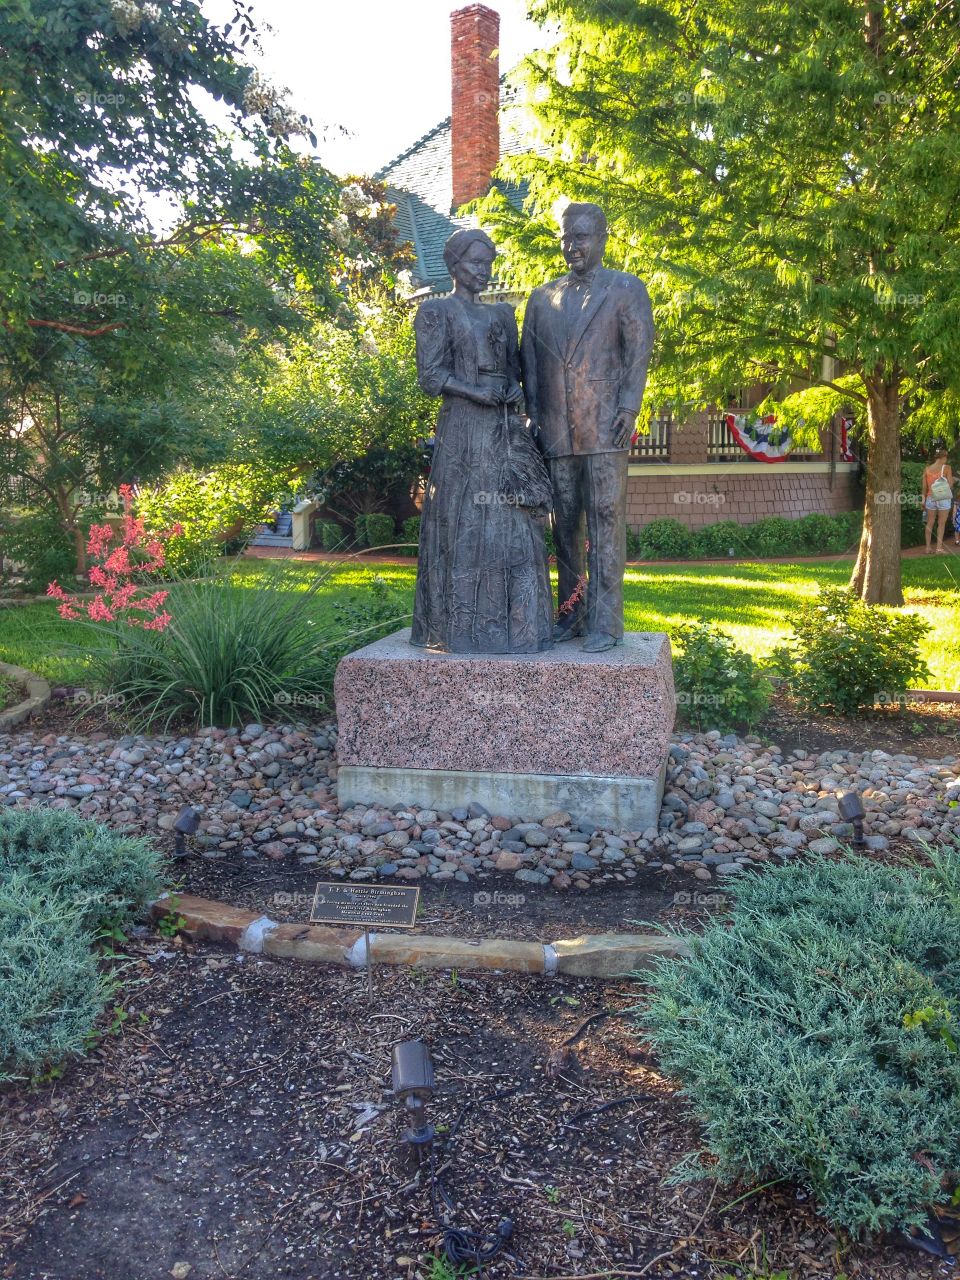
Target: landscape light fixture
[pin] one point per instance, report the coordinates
(186, 823)
(413, 1084)
(852, 810)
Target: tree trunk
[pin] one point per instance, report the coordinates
(68, 522)
(876, 575)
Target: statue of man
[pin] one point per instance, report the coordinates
(586, 345)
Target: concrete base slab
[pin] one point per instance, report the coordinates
(522, 734)
(630, 804)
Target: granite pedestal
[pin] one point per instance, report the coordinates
(524, 735)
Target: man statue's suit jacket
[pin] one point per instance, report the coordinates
(580, 368)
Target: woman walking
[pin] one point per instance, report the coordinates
(937, 497)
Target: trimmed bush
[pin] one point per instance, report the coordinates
(411, 534)
(774, 536)
(719, 686)
(715, 540)
(827, 535)
(332, 536)
(846, 656)
(912, 516)
(375, 530)
(665, 539)
(52, 989)
(815, 1034)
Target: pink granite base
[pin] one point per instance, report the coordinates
(564, 711)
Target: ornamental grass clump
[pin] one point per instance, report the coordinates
(236, 650)
(815, 1032)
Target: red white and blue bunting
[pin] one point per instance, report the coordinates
(760, 438)
(846, 425)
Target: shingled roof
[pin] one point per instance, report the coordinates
(420, 183)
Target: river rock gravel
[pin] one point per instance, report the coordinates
(270, 793)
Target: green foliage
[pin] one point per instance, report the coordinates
(375, 530)
(332, 536)
(806, 1029)
(100, 874)
(372, 481)
(37, 543)
(813, 132)
(346, 399)
(715, 540)
(845, 656)
(719, 686)
(237, 651)
(774, 536)
(226, 502)
(63, 884)
(411, 534)
(664, 539)
(825, 535)
(912, 514)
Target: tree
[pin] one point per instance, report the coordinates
(124, 348)
(786, 178)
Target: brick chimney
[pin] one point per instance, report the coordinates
(475, 119)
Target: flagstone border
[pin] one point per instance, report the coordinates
(604, 955)
(38, 695)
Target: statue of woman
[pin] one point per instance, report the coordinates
(483, 584)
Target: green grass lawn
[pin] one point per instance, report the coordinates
(751, 601)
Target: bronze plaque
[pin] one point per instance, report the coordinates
(391, 906)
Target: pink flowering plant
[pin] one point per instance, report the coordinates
(124, 560)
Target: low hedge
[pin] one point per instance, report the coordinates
(772, 537)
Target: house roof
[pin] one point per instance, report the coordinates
(420, 183)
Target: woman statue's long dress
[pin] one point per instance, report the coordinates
(483, 582)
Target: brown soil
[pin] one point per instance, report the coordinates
(240, 1122)
(923, 729)
(495, 907)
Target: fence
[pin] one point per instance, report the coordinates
(655, 445)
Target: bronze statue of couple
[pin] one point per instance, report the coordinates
(580, 369)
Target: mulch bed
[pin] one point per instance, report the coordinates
(240, 1122)
(923, 729)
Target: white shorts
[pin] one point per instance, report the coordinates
(938, 504)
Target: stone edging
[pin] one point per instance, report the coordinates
(38, 695)
(605, 955)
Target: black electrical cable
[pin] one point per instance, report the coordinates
(462, 1245)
